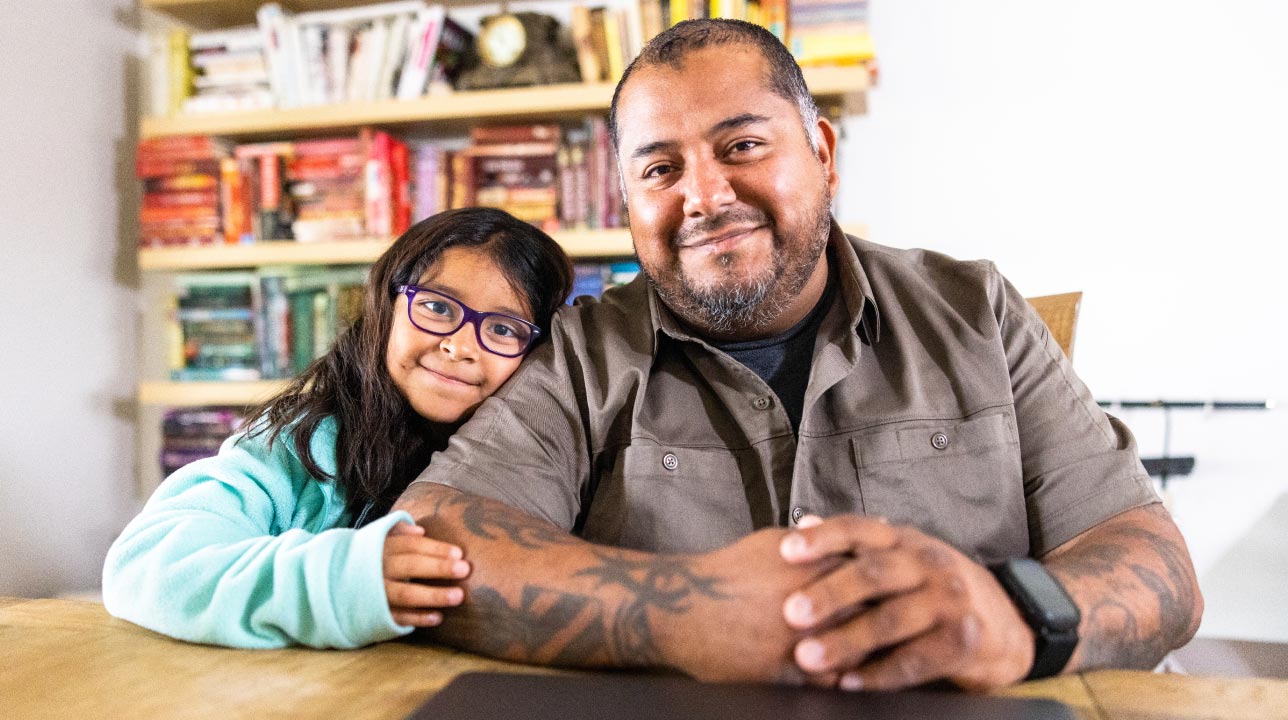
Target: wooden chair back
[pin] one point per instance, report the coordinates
(1060, 313)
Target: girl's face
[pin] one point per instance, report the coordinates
(446, 377)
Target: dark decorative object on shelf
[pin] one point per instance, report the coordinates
(520, 49)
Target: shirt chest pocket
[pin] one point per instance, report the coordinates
(959, 480)
(668, 499)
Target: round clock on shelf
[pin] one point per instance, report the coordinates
(502, 41)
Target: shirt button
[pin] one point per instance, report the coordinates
(939, 441)
(670, 461)
(761, 403)
(797, 514)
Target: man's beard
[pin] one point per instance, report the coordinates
(741, 306)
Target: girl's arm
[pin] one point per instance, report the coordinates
(243, 549)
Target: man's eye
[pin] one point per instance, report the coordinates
(658, 170)
(744, 146)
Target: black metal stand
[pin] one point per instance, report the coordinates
(1167, 466)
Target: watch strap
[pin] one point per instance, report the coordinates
(1053, 645)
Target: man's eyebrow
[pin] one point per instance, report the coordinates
(737, 121)
(729, 123)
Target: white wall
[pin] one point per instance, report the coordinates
(66, 301)
(1136, 150)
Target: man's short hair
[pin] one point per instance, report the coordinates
(671, 47)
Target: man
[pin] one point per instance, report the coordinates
(772, 371)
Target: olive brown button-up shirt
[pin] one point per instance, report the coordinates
(936, 398)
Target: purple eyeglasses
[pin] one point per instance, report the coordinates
(441, 314)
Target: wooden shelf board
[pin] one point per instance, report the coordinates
(578, 243)
(544, 101)
(191, 394)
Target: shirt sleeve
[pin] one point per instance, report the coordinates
(242, 549)
(526, 445)
(1080, 465)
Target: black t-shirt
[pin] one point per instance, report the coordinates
(783, 361)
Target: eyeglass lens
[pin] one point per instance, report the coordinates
(442, 315)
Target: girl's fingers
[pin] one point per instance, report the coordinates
(413, 596)
(417, 545)
(416, 618)
(407, 529)
(424, 567)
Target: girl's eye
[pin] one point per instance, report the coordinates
(437, 307)
(503, 330)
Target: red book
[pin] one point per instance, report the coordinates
(181, 198)
(146, 168)
(492, 134)
(236, 213)
(179, 213)
(379, 182)
(328, 146)
(206, 145)
(180, 182)
(401, 192)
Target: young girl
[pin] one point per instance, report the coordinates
(283, 537)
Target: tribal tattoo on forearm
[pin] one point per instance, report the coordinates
(549, 625)
(1116, 634)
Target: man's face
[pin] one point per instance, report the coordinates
(728, 202)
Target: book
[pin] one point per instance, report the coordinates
(583, 40)
(423, 37)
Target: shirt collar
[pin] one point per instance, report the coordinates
(860, 305)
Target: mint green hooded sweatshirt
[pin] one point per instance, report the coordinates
(249, 550)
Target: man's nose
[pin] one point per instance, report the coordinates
(706, 188)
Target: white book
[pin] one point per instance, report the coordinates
(298, 77)
(270, 19)
(373, 59)
(158, 73)
(422, 42)
(362, 13)
(338, 41)
(233, 39)
(358, 63)
(395, 50)
(314, 63)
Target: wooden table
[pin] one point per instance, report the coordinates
(67, 659)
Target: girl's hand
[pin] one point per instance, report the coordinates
(410, 556)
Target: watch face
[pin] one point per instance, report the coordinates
(502, 41)
(1049, 601)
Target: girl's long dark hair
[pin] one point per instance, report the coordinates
(382, 444)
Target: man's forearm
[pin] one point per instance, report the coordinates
(539, 595)
(1133, 580)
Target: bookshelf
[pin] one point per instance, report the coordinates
(578, 243)
(839, 90)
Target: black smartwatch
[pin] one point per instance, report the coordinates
(1046, 607)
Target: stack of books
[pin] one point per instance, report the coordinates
(338, 188)
(594, 278)
(181, 190)
(830, 32)
(213, 327)
(360, 54)
(268, 324)
(230, 73)
(190, 434)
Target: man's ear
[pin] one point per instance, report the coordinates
(825, 137)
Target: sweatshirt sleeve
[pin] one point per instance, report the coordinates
(243, 550)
